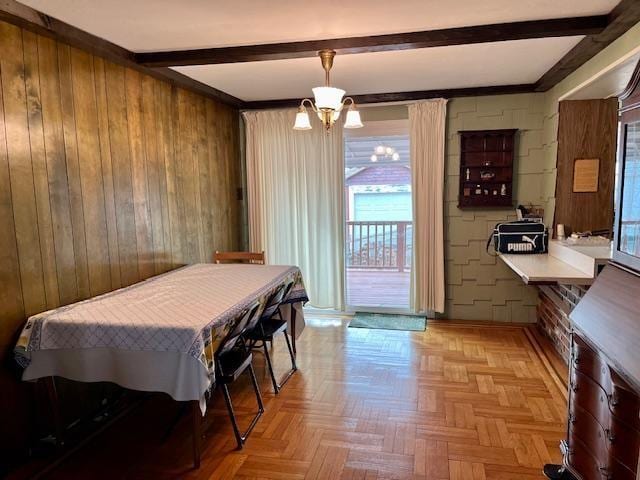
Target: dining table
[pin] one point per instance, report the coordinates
(158, 335)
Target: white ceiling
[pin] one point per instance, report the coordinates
(153, 25)
(461, 66)
(149, 25)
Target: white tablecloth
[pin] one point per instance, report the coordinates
(156, 335)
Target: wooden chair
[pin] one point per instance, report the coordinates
(271, 323)
(256, 258)
(231, 360)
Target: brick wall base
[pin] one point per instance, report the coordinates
(555, 304)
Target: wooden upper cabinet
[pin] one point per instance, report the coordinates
(587, 129)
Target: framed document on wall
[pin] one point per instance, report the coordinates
(585, 174)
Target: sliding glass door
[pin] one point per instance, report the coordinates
(378, 213)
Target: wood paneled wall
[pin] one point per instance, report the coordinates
(107, 177)
(586, 129)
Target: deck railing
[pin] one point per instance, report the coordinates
(379, 245)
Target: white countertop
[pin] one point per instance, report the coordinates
(567, 264)
(544, 268)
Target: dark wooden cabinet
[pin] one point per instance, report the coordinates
(603, 438)
(603, 431)
(486, 168)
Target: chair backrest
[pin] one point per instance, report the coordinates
(256, 258)
(239, 328)
(273, 302)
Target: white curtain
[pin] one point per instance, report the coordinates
(427, 135)
(295, 197)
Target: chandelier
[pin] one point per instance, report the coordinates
(386, 152)
(328, 102)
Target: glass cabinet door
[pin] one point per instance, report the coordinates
(629, 226)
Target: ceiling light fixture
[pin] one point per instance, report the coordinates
(328, 102)
(386, 152)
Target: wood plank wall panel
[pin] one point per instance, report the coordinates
(586, 129)
(107, 177)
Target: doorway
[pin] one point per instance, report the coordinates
(378, 213)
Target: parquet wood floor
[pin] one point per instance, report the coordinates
(458, 402)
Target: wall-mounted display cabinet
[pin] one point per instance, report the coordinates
(486, 168)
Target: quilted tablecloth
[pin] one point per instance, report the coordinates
(156, 335)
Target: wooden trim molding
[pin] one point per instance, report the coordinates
(37, 22)
(558, 27)
(403, 96)
(624, 16)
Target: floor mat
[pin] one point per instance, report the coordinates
(384, 321)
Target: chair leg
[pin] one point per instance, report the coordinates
(294, 313)
(256, 388)
(270, 367)
(294, 367)
(292, 354)
(242, 437)
(232, 416)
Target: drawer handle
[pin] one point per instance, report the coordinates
(610, 436)
(573, 386)
(605, 471)
(614, 401)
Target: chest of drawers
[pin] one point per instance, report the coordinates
(603, 431)
(603, 437)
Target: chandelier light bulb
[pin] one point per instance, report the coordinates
(302, 120)
(395, 157)
(353, 118)
(380, 150)
(328, 97)
(374, 158)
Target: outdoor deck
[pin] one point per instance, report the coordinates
(377, 288)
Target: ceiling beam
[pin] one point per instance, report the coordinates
(624, 16)
(403, 96)
(558, 27)
(37, 22)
